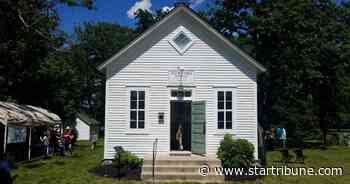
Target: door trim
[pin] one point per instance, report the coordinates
(168, 119)
(170, 125)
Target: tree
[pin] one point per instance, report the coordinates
(29, 39)
(95, 44)
(59, 75)
(146, 19)
(301, 43)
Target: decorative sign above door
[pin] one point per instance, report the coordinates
(181, 77)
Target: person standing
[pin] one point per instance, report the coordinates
(284, 137)
(93, 140)
(179, 135)
(45, 144)
(68, 139)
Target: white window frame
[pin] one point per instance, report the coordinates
(234, 109)
(128, 110)
(176, 98)
(181, 51)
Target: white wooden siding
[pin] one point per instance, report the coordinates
(83, 130)
(151, 68)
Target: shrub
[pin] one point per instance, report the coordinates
(238, 153)
(126, 159)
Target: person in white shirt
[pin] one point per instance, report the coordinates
(45, 145)
(93, 140)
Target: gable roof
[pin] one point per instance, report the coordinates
(190, 12)
(89, 121)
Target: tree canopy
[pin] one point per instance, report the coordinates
(305, 46)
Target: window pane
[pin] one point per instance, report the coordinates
(221, 96)
(182, 40)
(221, 116)
(141, 115)
(141, 124)
(221, 125)
(133, 95)
(133, 104)
(188, 93)
(173, 93)
(181, 93)
(228, 115)
(141, 95)
(141, 104)
(228, 95)
(228, 124)
(132, 124)
(228, 104)
(220, 105)
(132, 115)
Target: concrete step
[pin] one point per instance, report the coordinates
(174, 176)
(181, 162)
(180, 153)
(172, 168)
(176, 166)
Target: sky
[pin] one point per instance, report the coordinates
(115, 11)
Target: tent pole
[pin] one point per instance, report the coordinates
(30, 143)
(5, 138)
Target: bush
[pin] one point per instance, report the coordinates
(237, 153)
(126, 159)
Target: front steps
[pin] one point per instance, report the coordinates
(180, 167)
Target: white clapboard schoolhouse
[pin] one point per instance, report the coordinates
(179, 76)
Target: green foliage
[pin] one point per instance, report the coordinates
(35, 67)
(94, 44)
(125, 159)
(42, 66)
(305, 47)
(85, 3)
(236, 153)
(146, 19)
(60, 77)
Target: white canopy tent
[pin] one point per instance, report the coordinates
(12, 114)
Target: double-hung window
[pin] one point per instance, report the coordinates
(225, 112)
(137, 109)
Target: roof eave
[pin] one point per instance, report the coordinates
(139, 38)
(251, 60)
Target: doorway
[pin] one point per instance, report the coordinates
(180, 116)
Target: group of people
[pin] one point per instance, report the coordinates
(53, 142)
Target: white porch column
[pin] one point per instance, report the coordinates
(5, 138)
(30, 143)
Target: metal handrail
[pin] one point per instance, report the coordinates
(155, 144)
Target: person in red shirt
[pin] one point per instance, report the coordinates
(68, 139)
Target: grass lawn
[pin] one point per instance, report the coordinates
(74, 170)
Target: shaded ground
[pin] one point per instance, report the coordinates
(76, 169)
(113, 172)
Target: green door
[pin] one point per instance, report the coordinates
(198, 127)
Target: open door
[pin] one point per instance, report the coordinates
(198, 127)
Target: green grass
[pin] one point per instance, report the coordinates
(75, 169)
(316, 158)
(63, 170)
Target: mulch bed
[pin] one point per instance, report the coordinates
(113, 172)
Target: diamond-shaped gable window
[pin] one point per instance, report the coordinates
(181, 42)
